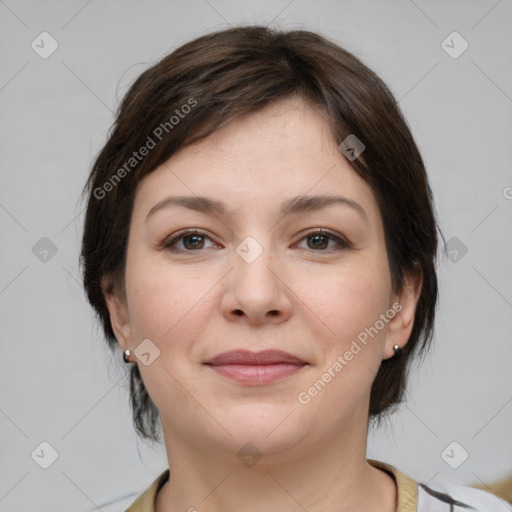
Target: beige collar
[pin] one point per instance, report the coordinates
(407, 490)
(407, 487)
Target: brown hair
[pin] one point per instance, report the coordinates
(233, 72)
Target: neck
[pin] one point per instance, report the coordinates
(332, 476)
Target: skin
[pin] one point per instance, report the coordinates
(307, 300)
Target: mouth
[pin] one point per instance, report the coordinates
(256, 368)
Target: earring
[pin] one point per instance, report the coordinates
(126, 354)
(397, 349)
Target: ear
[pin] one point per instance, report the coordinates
(118, 310)
(400, 326)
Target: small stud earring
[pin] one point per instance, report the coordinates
(397, 349)
(126, 354)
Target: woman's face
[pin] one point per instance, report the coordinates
(254, 274)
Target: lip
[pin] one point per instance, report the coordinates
(256, 368)
(265, 357)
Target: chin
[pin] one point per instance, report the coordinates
(269, 429)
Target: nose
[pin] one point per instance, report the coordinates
(256, 290)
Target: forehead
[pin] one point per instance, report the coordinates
(259, 160)
(273, 133)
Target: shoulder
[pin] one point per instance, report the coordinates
(441, 496)
(458, 498)
(146, 501)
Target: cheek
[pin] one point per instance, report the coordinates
(350, 304)
(169, 309)
(169, 305)
(160, 304)
(347, 300)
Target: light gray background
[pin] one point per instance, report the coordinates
(58, 381)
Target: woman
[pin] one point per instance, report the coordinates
(260, 241)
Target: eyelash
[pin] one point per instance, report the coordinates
(342, 243)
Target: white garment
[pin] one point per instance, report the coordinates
(444, 496)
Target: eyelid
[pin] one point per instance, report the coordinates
(175, 237)
(338, 238)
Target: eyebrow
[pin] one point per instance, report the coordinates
(295, 205)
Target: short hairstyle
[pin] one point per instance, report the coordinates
(210, 81)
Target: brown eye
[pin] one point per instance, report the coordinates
(190, 241)
(319, 241)
(193, 241)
